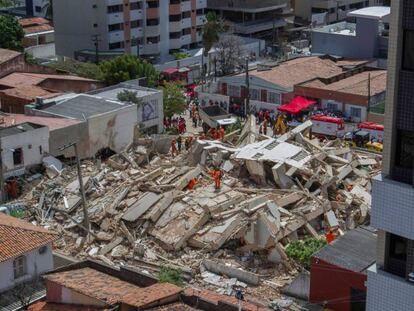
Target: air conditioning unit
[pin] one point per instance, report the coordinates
(411, 277)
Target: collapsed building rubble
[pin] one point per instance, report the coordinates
(273, 191)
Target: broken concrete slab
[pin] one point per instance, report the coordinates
(222, 269)
(183, 181)
(141, 206)
(108, 247)
(155, 213)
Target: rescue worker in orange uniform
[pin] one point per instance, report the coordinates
(330, 236)
(192, 184)
(217, 175)
(174, 150)
(213, 133)
(222, 133)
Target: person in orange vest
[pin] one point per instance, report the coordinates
(213, 133)
(330, 236)
(216, 174)
(174, 150)
(192, 184)
(265, 127)
(222, 133)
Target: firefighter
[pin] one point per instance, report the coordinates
(213, 133)
(192, 184)
(222, 133)
(330, 236)
(174, 150)
(217, 175)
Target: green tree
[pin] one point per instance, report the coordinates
(11, 33)
(169, 275)
(129, 97)
(301, 251)
(127, 67)
(174, 99)
(211, 31)
(82, 69)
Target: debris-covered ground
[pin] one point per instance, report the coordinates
(273, 191)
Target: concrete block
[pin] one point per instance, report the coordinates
(241, 275)
(141, 206)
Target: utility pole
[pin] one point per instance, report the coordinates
(2, 194)
(215, 68)
(247, 112)
(369, 92)
(95, 40)
(81, 187)
(202, 69)
(273, 36)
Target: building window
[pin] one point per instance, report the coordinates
(274, 98)
(116, 45)
(18, 156)
(234, 91)
(332, 106)
(19, 267)
(405, 149)
(254, 94)
(396, 259)
(355, 113)
(408, 50)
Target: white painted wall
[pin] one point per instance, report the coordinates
(363, 112)
(114, 129)
(71, 297)
(325, 103)
(159, 107)
(36, 264)
(30, 142)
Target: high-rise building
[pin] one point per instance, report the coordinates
(391, 280)
(252, 17)
(152, 28)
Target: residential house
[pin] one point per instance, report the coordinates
(151, 29)
(365, 39)
(150, 110)
(21, 88)
(91, 285)
(272, 86)
(23, 146)
(39, 37)
(253, 17)
(339, 270)
(25, 251)
(105, 124)
(359, 95)
(390, 280)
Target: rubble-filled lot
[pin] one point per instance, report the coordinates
(273, 191)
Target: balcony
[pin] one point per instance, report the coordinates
(115, 18)
(201, 4)
(152, 31)
(200, 20)
(153, 13)
(175, 44)
(175, 26)
(388, 292)
(137, 32)
(186, 23)
(151, 49)
(258, 25)
(253, 6)
(114, 2)
(136, 15)
(185, 6)
(186, 39)
(115, 36)
(392, 206)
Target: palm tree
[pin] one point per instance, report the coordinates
(211, 31)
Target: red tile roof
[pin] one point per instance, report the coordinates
(29, 92)
(35, 24)
(112, 290)
(18, 237)
(215, 298)
(289, 73)
(356, 84)
(177, 306)
(6, 55)
(51, 122)
(49, 306)
(18, 79)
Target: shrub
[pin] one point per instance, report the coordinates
(301, 251)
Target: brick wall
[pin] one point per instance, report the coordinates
(333, 95)
(12, 104)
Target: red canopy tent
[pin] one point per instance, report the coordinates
(297, 105)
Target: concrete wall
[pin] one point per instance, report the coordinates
(66, 135)
(60, 294)
(114, 130)
(154, 101)
(30, 142)
(364, 44)
(36, 264)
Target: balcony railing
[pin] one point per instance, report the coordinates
(246, 4)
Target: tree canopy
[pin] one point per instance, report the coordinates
(82, 69)
(129, 97)
(11, 33)
(174, 99)
(211, 31)
(127, 67)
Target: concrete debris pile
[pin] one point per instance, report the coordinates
(142, 212)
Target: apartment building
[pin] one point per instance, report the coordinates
(328, 11)
(150, 28)
(391, 280)
(37, 7)
(251, 17)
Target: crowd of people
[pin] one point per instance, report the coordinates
(178, 123)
